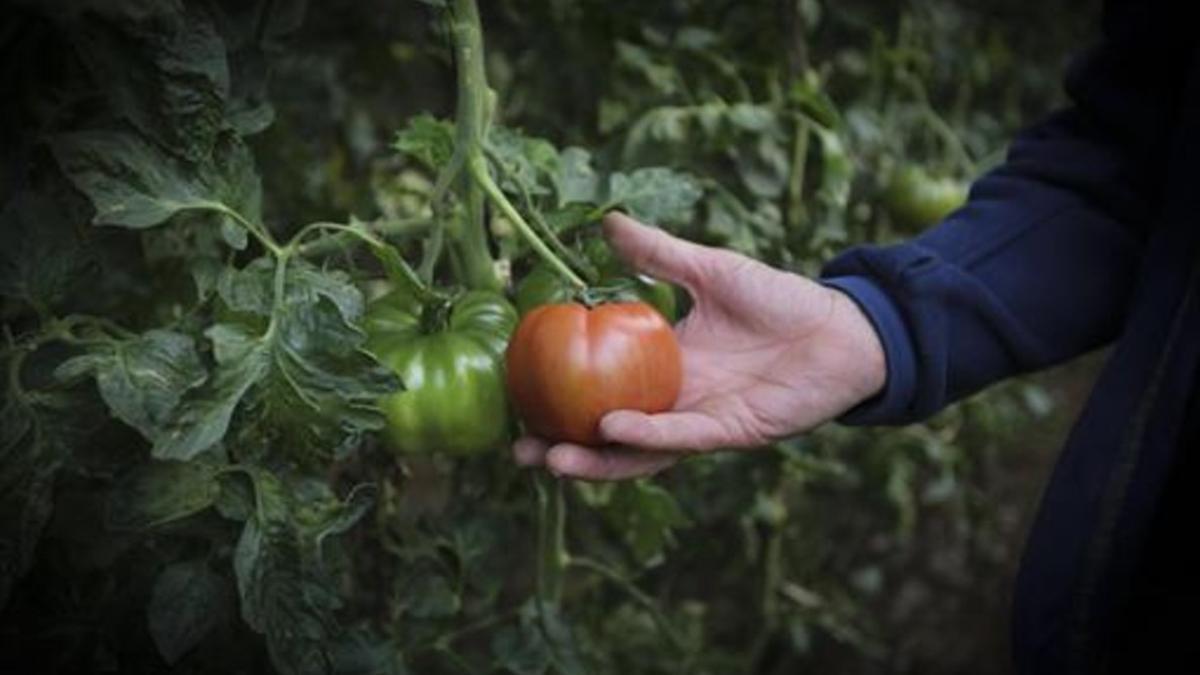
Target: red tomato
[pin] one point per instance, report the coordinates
(568, 365)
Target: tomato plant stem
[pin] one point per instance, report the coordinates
(552, 553)
(404, 228)
(470, 240)
(795, 195)
(477, 166)
(618, 579)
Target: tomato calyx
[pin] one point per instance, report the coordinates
(621, 289)
(435, 315)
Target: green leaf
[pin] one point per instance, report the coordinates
(646, 515)
(425, 594)
(165, 73)
(287, 592)
(542, 642)
(576, 180)
(654, 195)
(361, 653)
(133, 184)
(528, 163)
(143, 378)
(38, 432)
(203, 417)
(306, 380)
(162, 492)
(187, 601)
(428, 140)
(42, 257)
(661, 76)
(764, 167)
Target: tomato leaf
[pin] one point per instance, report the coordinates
(162, 492)
(134, 184)
(162, 69)
(529, 163)
(288, 592)
(38, 430)
(654, 195)
(141, 378)
(428, 140)
(186, 603)
(575, 180)
(647, 516)
(42, 258)
(305, 380)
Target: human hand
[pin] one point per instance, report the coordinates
(766, 354)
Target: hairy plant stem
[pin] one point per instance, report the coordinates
(469, 241)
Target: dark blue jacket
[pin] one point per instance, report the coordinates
(1086, 236)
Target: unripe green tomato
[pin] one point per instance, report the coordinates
(916, 199)
(454, 399)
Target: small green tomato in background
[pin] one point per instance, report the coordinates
(450, 359)
(917, 199)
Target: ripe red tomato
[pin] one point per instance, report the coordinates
(567, 365)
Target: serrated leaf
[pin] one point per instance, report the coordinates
(186, 602)
(660, 75)
(428, 140)
(203, 418)
(162, 492)
(647, 516)
(654, 195)
(133, 184)
(571, 216)
(143, 378)
(305, 380)
(528, 164)
(425, 594)
(763, 167)
(42, 256)
(362, 653)
(166, 74)
(287, 593)
(38, 431)
(576, 180)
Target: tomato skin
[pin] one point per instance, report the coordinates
(568, 365)
(454, 400)
(917, 199)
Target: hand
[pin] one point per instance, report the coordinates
(766, 354)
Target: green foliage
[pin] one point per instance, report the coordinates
(191, 474)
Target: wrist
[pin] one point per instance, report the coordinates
(866, 360)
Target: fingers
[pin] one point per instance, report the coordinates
(529, 451)
(654, 252)
(667, 432)
(576, 461)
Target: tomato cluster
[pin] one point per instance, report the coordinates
(567, 363)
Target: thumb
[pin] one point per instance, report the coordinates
(654, 252)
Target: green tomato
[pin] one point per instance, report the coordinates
(916, 199)
(450, 360)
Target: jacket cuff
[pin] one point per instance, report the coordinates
(891, 405)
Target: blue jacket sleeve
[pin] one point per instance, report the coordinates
(1040, 263)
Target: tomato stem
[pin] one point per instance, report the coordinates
(552, 554)
(472, 115)
(618, 579)
(477, 166)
